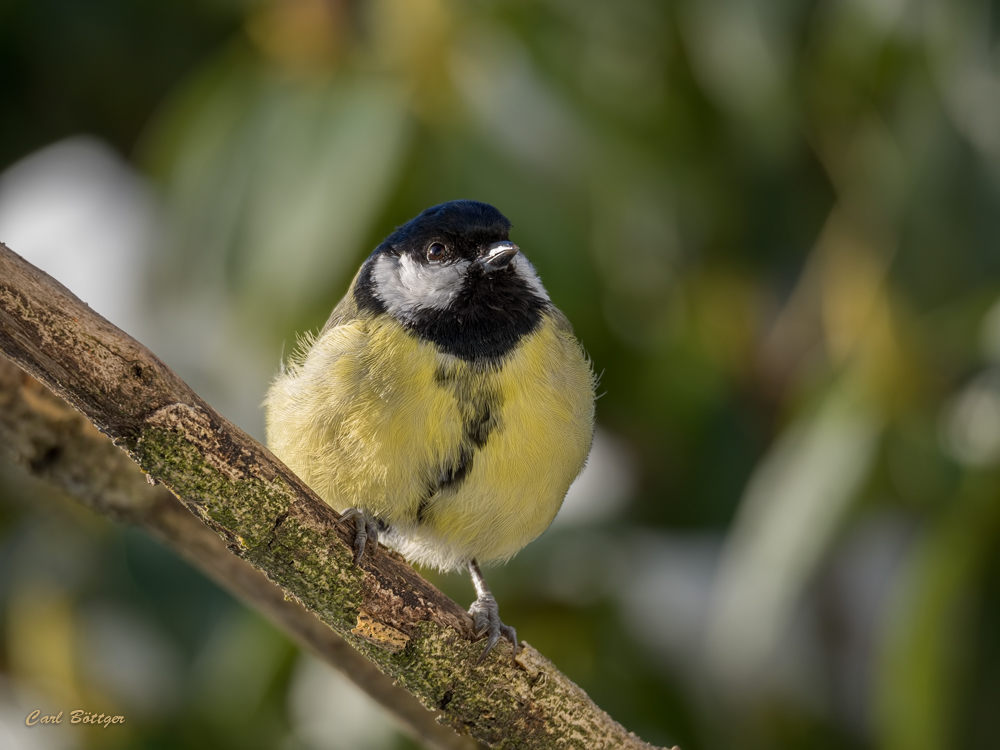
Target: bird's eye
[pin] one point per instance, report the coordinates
(436, 251)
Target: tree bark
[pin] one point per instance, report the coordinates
(42, 433)
(414, 635)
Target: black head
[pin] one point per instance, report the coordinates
(452, 276)
(463, 227)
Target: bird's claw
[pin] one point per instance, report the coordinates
(365, 533)
(486, 623)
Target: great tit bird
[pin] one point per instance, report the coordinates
(446, 405)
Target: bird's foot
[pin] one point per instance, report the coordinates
(365, 533)
(486, 623)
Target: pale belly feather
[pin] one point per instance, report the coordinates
(372, 418)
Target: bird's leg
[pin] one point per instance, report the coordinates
(366, 532)
(486, 614)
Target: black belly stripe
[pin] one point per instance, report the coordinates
(480, 410)
(477, 429)
(455, 474)
(449, 478)
(425, 503)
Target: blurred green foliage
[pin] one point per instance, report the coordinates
(774, 225)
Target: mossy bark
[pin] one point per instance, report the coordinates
(268, 517)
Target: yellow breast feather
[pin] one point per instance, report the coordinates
(461, 460)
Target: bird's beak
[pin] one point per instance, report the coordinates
(498, 256)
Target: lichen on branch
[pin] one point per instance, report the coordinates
(407, 628)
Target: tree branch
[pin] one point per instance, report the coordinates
(267, 516)
(53, 442)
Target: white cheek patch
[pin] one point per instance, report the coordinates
(406, 286)
(524, 269)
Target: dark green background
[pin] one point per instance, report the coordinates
(774, 225)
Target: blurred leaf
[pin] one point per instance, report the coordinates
(274, 182)
(926, 645)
